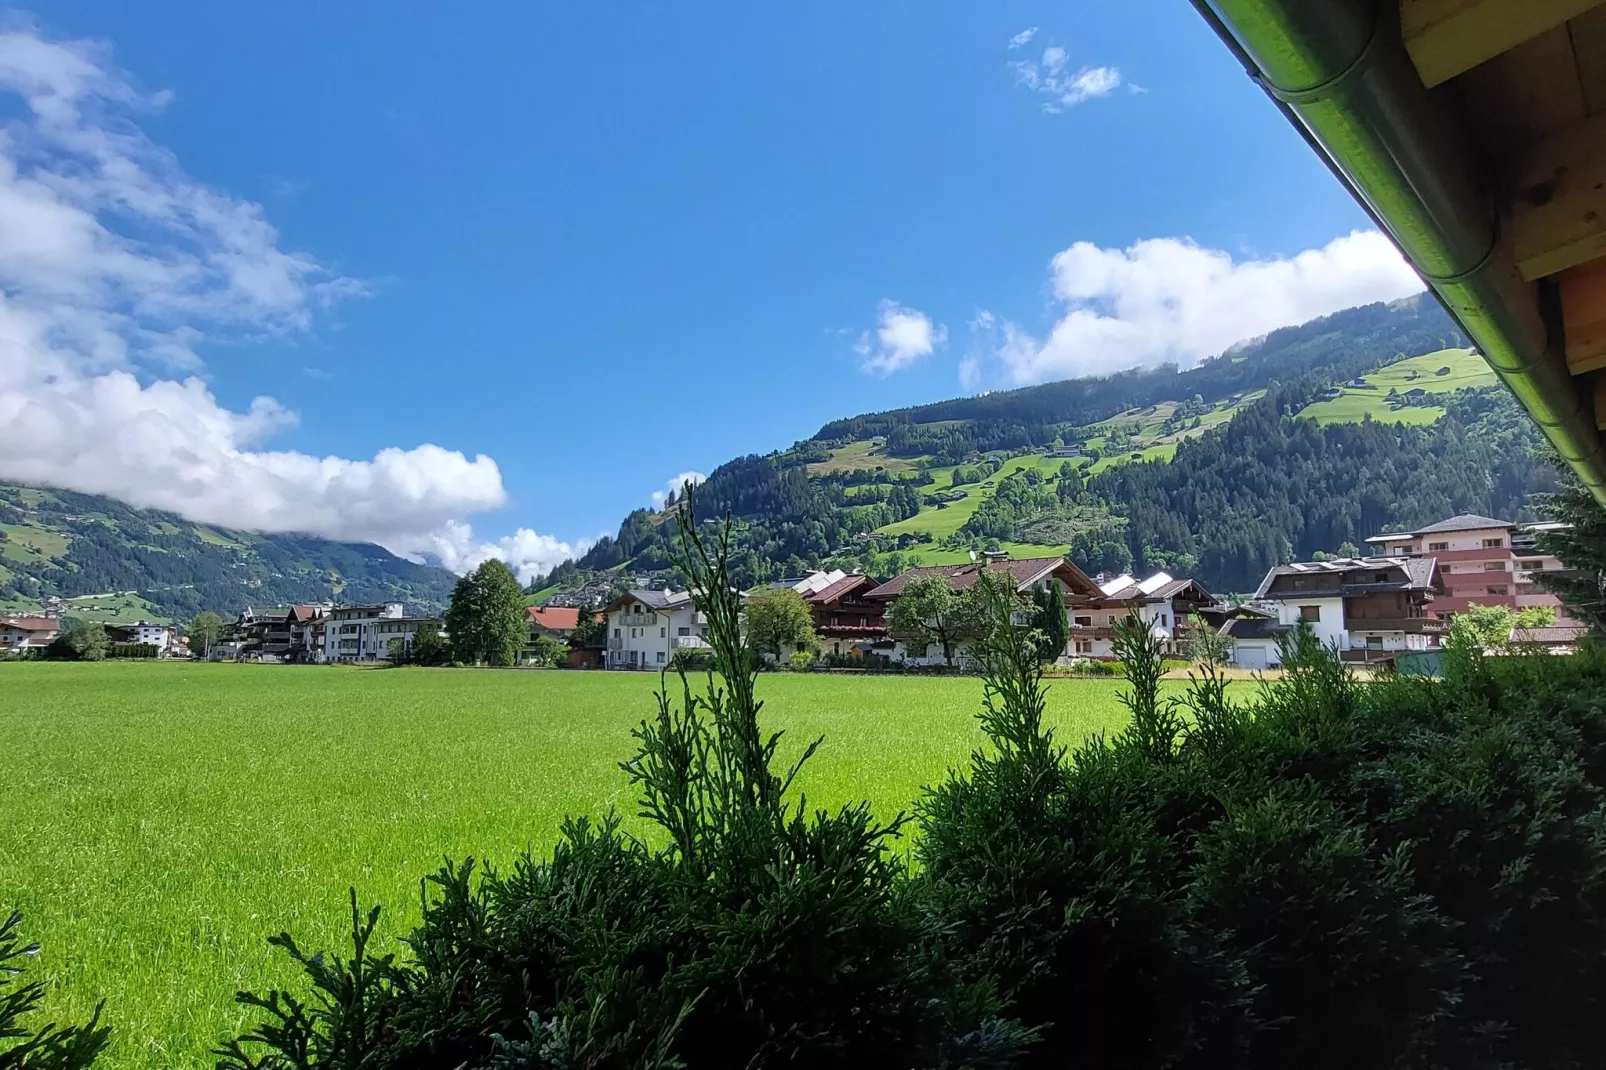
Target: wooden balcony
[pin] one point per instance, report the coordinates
(1414, 625)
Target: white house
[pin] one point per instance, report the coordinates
(1162, 602)
(22, 634)
(164, 637)
(364, 632)
(1367, 607)
(646, 628)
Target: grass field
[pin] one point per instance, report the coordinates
(857, 455)
(161, 820)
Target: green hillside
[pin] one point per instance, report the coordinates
(118, 564)
(1439, 373)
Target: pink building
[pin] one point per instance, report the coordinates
(1482, 561)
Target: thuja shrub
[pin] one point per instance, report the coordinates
(1329, 874)
(760, 933)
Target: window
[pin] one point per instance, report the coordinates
(1374, 642)
(663, 633)
(682, 631)
(1494, 566)
(1435, 546)
(1490, 544)
(1531, 564)
(1084, 647)
(660, 656)
(616, 633)
(1310, 613)
(1084, 622)
(1498, 590)
(1380, 577)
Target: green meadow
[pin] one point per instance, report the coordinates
(160, 821)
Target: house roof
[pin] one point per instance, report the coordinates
(653, 599)
(1026, 571)
(1253, 628)
(1160, 587)
(845, 585)
(31, 624)
(1419, 571)
(304, 613)
(1464, 522)
(1560, 633)
(554, 618)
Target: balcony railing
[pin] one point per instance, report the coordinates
(1398, 624)
(640, 620)
(616, 643)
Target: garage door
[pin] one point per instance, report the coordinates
(1250, 657)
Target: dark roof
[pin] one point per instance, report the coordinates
(1026, 571)
(1560, 633)
(654, 599)
(845, 585)
(1253, 628)
(1464, 522)
(1419, 572)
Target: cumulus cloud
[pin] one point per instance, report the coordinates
(114, 267)
(1168, 299)
(902, 336)
(676, 485)
(527, 553)
(1050, 76)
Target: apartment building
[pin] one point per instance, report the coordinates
(1368, 607)
(364, 632)
(646, 628)
(1162, 602)
(1483, 561)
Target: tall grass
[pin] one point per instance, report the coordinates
(159, 821)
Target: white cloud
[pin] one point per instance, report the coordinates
(114, 267)
(676, 484)
(902, 337)
(1167, 299)
(526, 552)
(1050, 76)
(1024, 38)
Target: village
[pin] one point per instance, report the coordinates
(1392, 605)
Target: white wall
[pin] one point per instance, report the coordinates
(1329, 629)
(652, 637)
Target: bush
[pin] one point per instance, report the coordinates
(1317, 873)
(131, 650)
(800, 661)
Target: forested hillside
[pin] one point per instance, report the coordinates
(1218, 471)
(56, 542)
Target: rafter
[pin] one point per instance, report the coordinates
(1447, 37)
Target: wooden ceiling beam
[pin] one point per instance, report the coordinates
(1448, 37)
(1583, 317)
(1557, 206)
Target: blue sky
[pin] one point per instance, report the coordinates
(601, 245)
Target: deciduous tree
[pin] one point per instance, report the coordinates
(929, 611)
(204, 632)
(777, 619)
(486, 617)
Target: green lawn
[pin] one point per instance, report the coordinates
(857, 455)
(161, 820)
(1467, 369)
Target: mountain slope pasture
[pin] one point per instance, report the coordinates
(156, 829)
(118, 563)
(1439, 373)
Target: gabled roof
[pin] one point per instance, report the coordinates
(1160, 587)
(1421, 573)
(1027, 571)
(303, 614)
(844, 586)
(554, 618)
(1559, 633)
(1464, 522)
(31, 624)
(653, 599)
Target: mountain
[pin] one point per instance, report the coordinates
(157, 565)
(1253, 458)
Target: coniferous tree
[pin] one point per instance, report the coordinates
(1049, 621)
(1581, 546)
